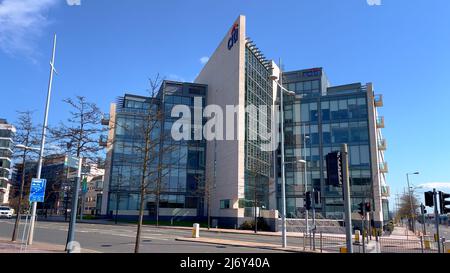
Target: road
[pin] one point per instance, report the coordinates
(120, 238)
(444, 230)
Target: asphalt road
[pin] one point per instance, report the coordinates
(120, 238)
(444, 230)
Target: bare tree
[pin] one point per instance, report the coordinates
(26, 135)
(408, 207)
(80, 133)
(151, 152)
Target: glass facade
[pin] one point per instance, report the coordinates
(178, 165)
(258, 92)
(316, 125)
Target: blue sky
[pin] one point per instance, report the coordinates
(106, 48)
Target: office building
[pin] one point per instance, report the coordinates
(323, 117)
(245, 178)
(176, 169)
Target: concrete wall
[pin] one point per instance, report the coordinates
(225, 76)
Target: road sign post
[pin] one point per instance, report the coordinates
(347, 200)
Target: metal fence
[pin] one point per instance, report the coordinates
(336, 244)
(422, 244)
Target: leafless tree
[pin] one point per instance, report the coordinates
(80, 133)
(26, 135)
(150, 152)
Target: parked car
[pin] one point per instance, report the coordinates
(6, 212)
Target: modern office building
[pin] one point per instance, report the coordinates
(317, 121)
(240, 171)
(7, 132)
(178, 166)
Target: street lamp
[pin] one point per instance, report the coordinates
(413, 224)
(19, 206)
(274, 78)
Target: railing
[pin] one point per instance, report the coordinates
(105, 120)
(382, 144)
(384, 167)
(378, 100)
(380, 122)
(103, 141)
(385, 191)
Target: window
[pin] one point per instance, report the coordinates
(225, 204)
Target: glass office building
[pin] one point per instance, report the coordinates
(318, 120)
(178, 166)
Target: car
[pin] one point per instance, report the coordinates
(6, 212)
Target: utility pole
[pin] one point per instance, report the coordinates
(73, 213)
(44, 130)
(436, 220)
(347, 199)
(305, 177)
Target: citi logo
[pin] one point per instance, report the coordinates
(234, 36)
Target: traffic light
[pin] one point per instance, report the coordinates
(308, 200)
(443, 202)
(429, 199)
(334, 169)
(361, 208)
(316, 197)
(368, 207)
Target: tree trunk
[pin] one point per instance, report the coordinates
(19, 206)
(141, 217)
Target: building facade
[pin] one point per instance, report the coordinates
(7, 132)
(176, 169)
(244, 177)
(318, 120)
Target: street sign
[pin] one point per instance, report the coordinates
(71, 162)
(37, 190)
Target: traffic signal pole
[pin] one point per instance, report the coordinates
(347, 200)
(73, 212)
(436, 219)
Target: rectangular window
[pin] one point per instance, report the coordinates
(225, 204)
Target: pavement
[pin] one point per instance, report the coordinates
(7, 246)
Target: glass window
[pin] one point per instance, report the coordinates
(305, 112)
(225, 204)
(365, 154)
(307, 85)
(315, 84)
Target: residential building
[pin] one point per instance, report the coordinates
(7, 132)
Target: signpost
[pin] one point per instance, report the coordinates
(37, 190)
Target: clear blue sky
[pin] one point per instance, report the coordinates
(106, 48)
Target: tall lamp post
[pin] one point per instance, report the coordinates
(22, 183)
(413, 224)
(44, 130)
(279, 82)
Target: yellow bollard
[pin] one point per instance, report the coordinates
(427, 244)
(357, 234)
(343, 250)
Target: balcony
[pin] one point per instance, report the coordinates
(384, 167)
(378, 100)
(103, 141)
(105, 120)
(385, 191)
(380, 122)
(382, 144)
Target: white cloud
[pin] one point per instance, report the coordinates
(374, 2)
(174, 77)
(73, 2)
(21, 23)
(435, 185)
(204, 60)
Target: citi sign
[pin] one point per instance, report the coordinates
(234, 36)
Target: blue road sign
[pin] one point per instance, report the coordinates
(37, 190)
